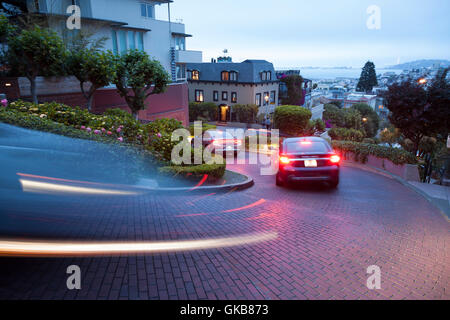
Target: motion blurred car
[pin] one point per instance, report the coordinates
(308, 159)
(220, 142)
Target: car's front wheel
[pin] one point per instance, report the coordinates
(278, 181)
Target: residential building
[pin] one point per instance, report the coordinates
(227, 84)
(126, 24)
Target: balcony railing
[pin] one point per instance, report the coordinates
(188, 56)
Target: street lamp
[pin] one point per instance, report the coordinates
(266, 98)
(422, 81)
(364, 119)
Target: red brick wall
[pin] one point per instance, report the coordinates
(173, 103)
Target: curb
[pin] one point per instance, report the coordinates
(222, 188)
(401, 180)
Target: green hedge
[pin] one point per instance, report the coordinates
(345, 134)
(205, 127)
(245, 113)
(215, 171)
(363, 150)
(204, 111)
(292, 120)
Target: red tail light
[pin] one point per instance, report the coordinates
(285, 160)
(335, 159)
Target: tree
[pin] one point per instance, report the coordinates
(91, 66)
(368, 78)
(292, 120)
(294, 90)
(138, 77)
(33, 52)
(417, 111)
(372, 123)
(390, 135)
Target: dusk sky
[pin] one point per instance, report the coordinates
(295, 33)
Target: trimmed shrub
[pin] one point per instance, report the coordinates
(203, 111)
(363, 150)
(246, 113)
(292, 120)
(345, 134)
(215, 171)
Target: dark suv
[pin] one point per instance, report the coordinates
(308, 159)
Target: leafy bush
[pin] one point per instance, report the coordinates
(372, 124)
(369, 141)
(118, 124)
(345, 134)
(333, 115)
(246, 113)
(160, 137)
(363, 150)
(292, 120)
(203, 111)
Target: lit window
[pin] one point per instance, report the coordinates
(234, 97)
(195, 75)
(225, 76)
(199, 96)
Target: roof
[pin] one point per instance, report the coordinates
(249, 71)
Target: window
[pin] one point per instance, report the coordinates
(123, 40)
(199, 96)
(258, 99)
(225, 76)
(181, 71)
(216, 95)
(147, 10)
(266, 98)
(224, 95)
(140, 40)
(180, 43)
(273, 97)
(233, 76)
(234, 97)
(131, 40)
(266, 75)
(195, 75)
(114, 41)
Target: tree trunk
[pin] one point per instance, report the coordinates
(89, 102)
(33, 89)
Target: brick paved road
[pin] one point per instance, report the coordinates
(326, 240)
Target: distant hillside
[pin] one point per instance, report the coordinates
(420, 64)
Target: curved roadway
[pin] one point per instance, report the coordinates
(314, 243)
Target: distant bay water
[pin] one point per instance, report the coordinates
(333, 73)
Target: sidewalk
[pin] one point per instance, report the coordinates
(439, 195)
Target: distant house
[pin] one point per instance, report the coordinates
(227, 84)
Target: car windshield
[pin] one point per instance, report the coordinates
(306, 147)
